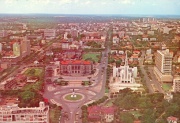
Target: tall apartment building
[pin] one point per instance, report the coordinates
(15, 114)
(25, 47)
(176, 84)
(16, 49)
(163, 65)
(1, 47)
(49, 33)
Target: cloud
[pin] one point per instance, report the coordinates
(62, 2)
(127, 2)
(87, 2)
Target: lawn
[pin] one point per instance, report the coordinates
(78, 97)
(36, 86)
(167, 86)
(136, 114)
(37, 72)
(34, 72)
(94, 56)
(109, 103)
(106, 90)
(54, 115)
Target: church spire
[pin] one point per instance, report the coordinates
(126, 59)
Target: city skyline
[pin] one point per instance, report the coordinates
(138, 7)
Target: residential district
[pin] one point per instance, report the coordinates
(117, 70)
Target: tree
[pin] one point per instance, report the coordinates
(126, 117)
(69, 36)
(118, 62)
(27, 95)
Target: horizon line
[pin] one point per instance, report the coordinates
(89, 14)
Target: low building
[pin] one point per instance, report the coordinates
(32, 79)
(108, 113)
(176, 84)
(3, 33)
(76, 67)
(8, 84)
(172, 119)
(13, 114)
(94, 113)
(100, 113)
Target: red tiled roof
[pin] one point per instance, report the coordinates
(171, 118)
(94, 110)
(108, 110)
(137, 121)
(75, 62)
(1, 69)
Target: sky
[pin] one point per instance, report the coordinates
(138, 7)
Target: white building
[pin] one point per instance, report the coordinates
(176, 84)
(149, 51)
(0, 47)
(150, 32)
(124, 77)
(15, 114)
(145, 39)
(65, 35)
(163, 65)
(166, 30)
(115, 40)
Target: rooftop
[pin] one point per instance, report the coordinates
(75, 62)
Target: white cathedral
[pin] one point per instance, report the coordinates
(124, 77)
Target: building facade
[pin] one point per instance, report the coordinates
(25, 47)
(15, 114)
(16, 49)
(1, 47)
(76, 67)
(49, 33)
(3, 33)
(176, 84)
(124, 77)
(125, 74)
(163, 65)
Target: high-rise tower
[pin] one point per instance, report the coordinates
(163, 65)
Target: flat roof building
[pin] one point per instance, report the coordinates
(176, 84)
(163, 65)
(14, 114)
(76, 67)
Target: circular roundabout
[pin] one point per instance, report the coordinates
(73, 97)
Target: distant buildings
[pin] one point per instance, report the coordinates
(14, 114)
(49, 33)
(76, 67)
(3, 33)
(163, 66)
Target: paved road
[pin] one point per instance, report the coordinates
(94, 92)
(150, 82)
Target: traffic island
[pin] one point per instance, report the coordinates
(71, 97)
